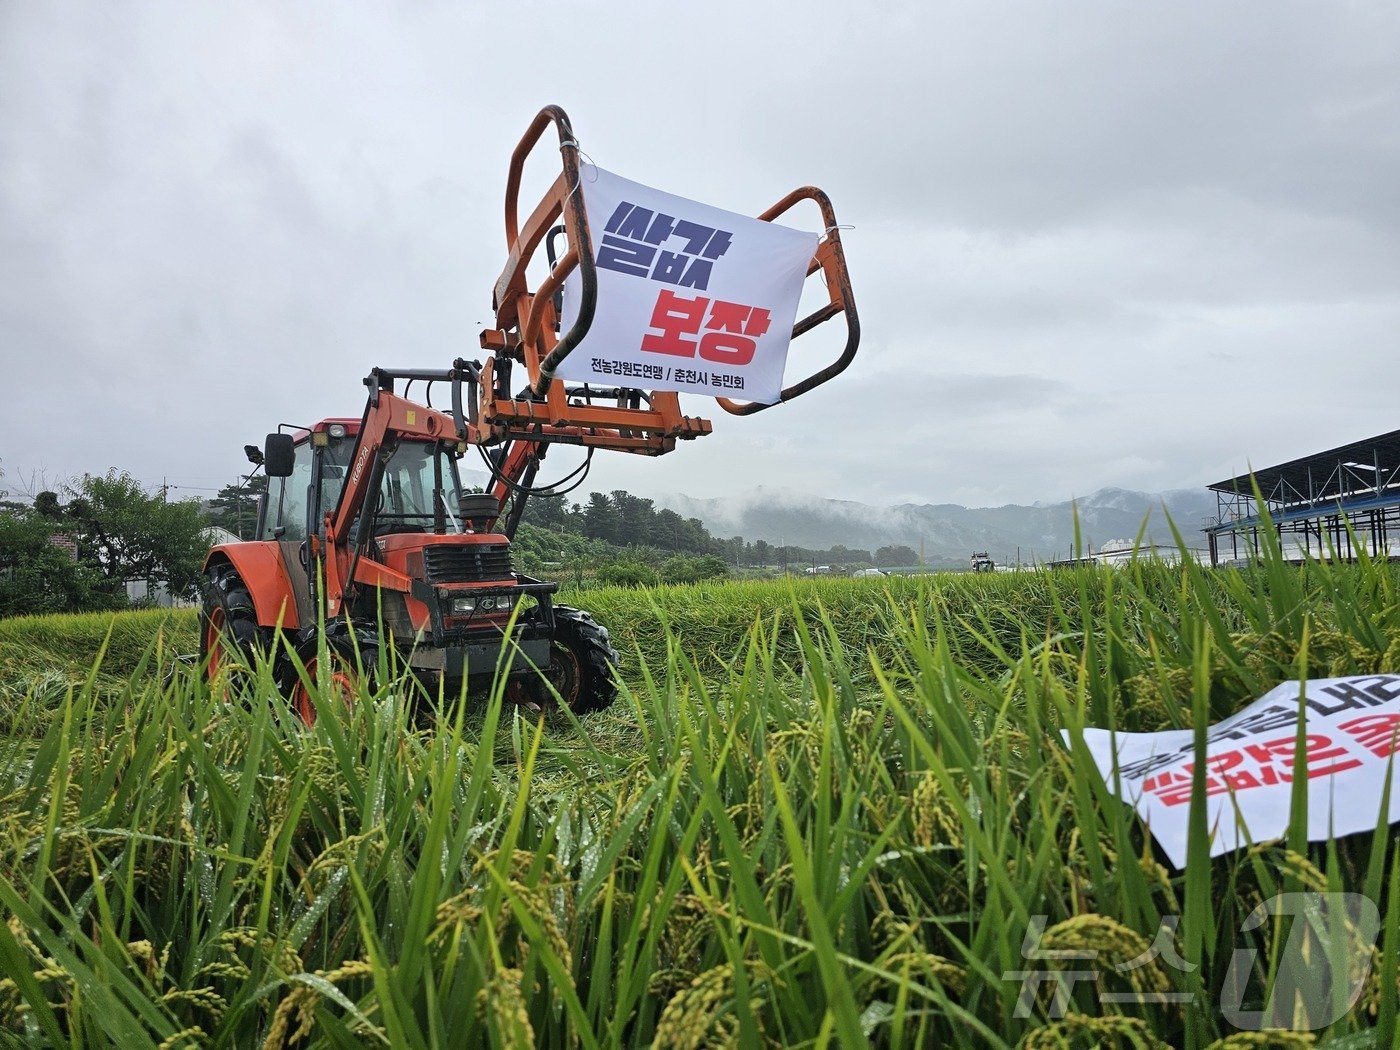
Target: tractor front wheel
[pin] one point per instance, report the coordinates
(345, 669)
(228, 623)
(581, 668)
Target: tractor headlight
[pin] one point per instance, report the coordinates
(486, 603)
(337, 430)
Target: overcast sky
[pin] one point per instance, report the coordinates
(1140, 245)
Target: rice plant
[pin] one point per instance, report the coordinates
(822, 813)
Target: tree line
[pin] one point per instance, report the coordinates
(76, 547)
(624, 520)
(617, 520)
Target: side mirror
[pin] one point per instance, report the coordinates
(279, 454)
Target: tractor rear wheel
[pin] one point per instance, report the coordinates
(228, 623)
(581, 670)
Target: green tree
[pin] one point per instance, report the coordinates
(843, 555)
(236, 506)
(636, 519)
(683, 569)
(41, 571)
(46, 505)
(128, 535)
(550, 512)
(896, 555)
(601, 520)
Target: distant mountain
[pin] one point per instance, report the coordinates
(949, 533)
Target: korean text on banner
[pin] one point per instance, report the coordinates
(1351, 731)
(690, 298)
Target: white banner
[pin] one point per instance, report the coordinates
(1350, 729)
(690, 298)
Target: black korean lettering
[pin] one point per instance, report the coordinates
(1384, 688)
(718, 245)
(1349, 698)
(660, 229)
(669, 267)
(1274, 717)
(697, 274)
(695, 235)
(633, 225)
(625, 256)
(1145, 766)
(618, 217)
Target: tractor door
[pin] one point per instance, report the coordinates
(290, 505)
(288, 500)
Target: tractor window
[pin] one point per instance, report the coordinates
(407, 492)
(287, 499)
(335, 465)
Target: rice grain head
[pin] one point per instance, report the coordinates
(1112, 942)
(1075, 1031)
(502, 1005)
(700, 1014)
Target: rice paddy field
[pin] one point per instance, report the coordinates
(821, 813)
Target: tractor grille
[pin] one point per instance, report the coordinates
(446, 563)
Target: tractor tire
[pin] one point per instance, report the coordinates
(350, 666)
(581, 670)
(227, 620)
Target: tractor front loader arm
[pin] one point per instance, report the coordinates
(516, 307)
(625, 419)
(388, 418)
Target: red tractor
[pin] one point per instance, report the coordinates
(366, 537)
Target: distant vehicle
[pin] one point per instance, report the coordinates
(982, 562)
(818, 570)
(869, 572)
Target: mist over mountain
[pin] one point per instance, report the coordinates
(946, 532)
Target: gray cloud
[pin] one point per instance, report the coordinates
(1094, 244)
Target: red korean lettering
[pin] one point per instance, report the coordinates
(1326, 759)
(732, 332)
(1378, 734)
(1170, 789)
(1228, 767)
(674, 317)
(1174, 789)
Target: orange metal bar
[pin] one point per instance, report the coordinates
(526, 321)
(563, 194)
(542, 306)
(830, 258)
(511, 283)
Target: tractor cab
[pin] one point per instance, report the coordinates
(409, 550)
(295, 504)
(419, 477)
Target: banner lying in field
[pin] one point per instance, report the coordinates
(690, 298)
(1350, 732)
